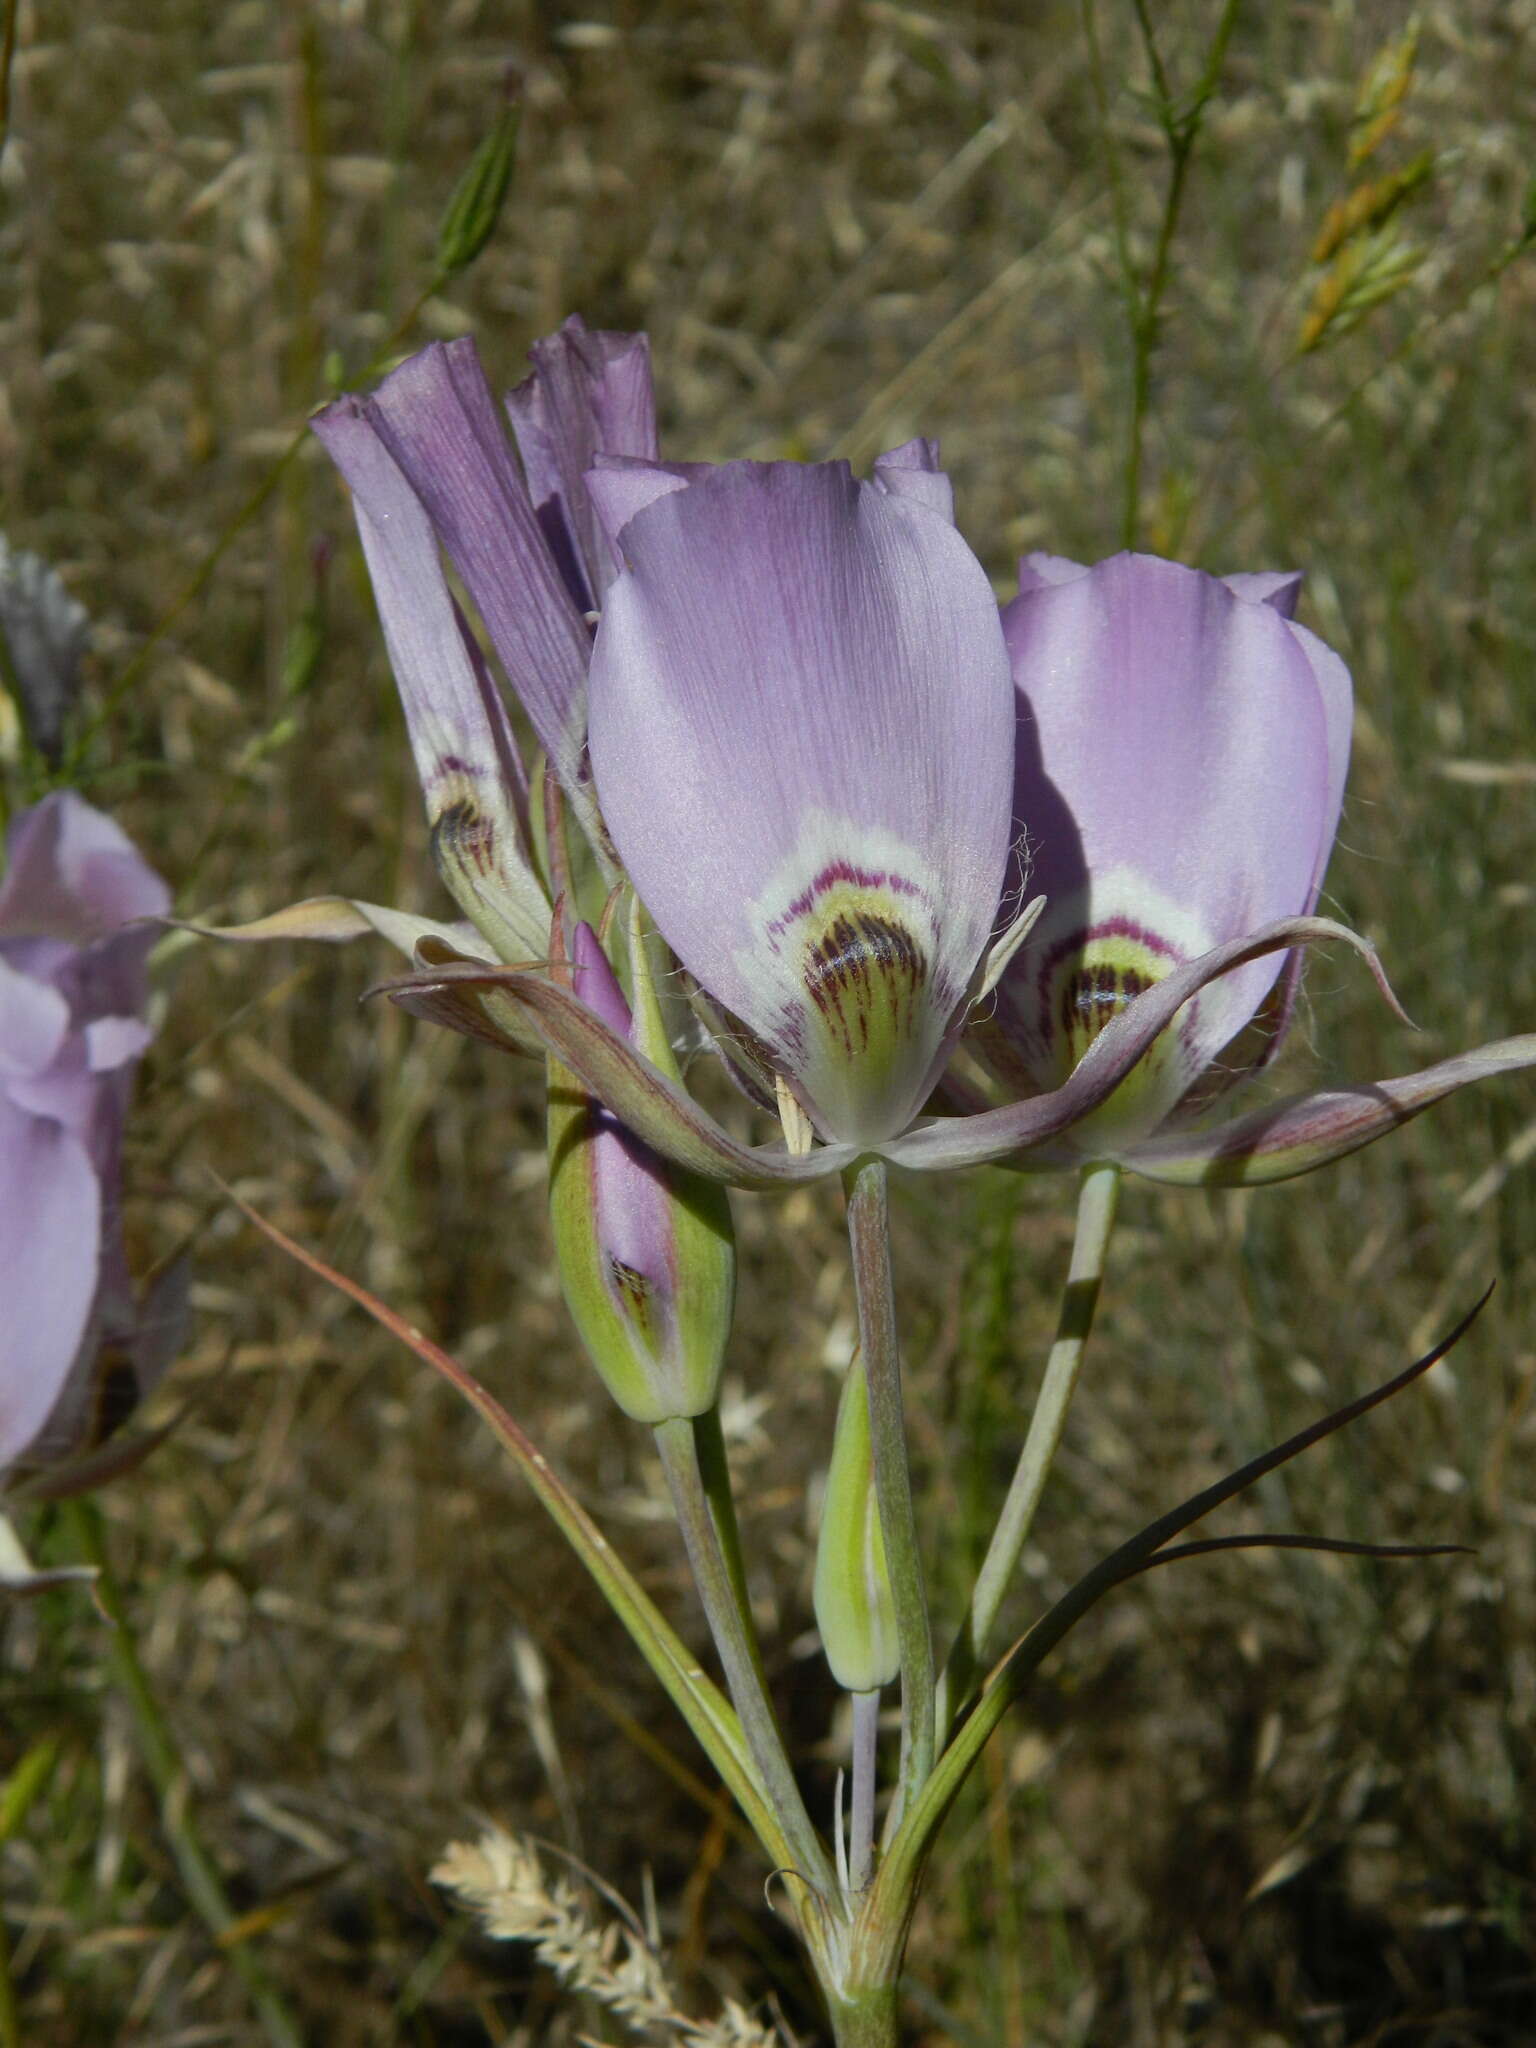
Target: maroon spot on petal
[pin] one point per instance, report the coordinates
(835, 872)
(636, 1297)
(464, 837)
(857, 951)
(1093, 995)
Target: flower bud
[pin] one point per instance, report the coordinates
(475, 205)
(855, 1608)
(646, 1251)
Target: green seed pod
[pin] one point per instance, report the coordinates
(855, 1608)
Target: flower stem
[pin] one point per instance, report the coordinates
(1097, 1201)
(861, 1812)
(869, 1238)
(722, 1594)
(866, 2019)
(715, 1473)
(199, 1875)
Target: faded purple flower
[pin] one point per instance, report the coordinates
(431, 470)
(77, 1346)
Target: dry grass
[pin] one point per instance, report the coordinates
(1260, 1800)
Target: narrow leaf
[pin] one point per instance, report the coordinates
(700, 1702)
(898, 1872)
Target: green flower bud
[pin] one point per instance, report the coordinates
(855, 1608)
(470, 217)
(646, 1251)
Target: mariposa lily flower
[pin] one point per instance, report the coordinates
(78, 1346)
(1181, 758)
(800, 721)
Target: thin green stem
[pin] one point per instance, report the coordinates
(1097, 1201)
(7, 56)
(730, 1625)
(715, 1471)
(157, 1746)
(1181, 126)
(869, 1238)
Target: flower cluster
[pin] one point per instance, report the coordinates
(940, 882)
(948, 883)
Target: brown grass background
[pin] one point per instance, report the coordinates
(1260, 1800)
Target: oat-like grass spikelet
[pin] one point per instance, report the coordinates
(502, 1881)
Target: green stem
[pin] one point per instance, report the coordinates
(715, 1472)
(869, 1239)
(730, 1625)
(1097, 1201)
(157, 1746)
(866, 2019)
(1182, 129)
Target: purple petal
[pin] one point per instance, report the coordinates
(630, 1184)
(590, 394)
(912, 471)
(1126, 1038)
(73, 875)
(1303, 1132)
(801, 738)
(465, 753)
(1180, 765)
(1277, 587)
(34, 1020)
(439, 422)
(50, 1228)
(1041, 571)
(618, 490)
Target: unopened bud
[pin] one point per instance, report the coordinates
(470, 218)
(646, 1251)
(855, 1608)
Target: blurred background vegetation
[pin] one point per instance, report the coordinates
(1261, 1800)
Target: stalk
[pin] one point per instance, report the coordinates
(870, 1242)
(1097, 1201)
(722, 1597)
(1181, 122)
(866, 2019)
(861, 1812)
